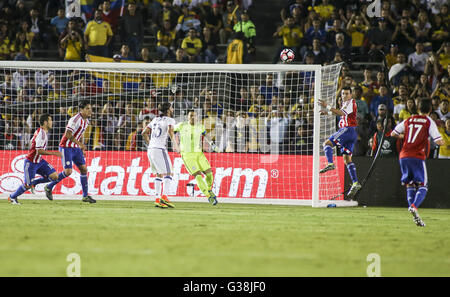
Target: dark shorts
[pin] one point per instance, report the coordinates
(43, 168)
(414, 171)
(72, 154)
(345, 138)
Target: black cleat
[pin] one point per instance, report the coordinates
(48, 193)
(89, 199)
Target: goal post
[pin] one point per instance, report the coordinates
(264, 118)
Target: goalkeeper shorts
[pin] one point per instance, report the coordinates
(195, 162)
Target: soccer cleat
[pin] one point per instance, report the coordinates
(354, 189)
(164, 200)
(48, 193)
(13, 200)
(212, 198)
(32, 190)
(416, 218)
(89, 199)
(329, 167)
(159, 204)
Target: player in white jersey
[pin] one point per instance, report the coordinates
(159, 129)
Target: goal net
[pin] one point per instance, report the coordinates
(264, 120)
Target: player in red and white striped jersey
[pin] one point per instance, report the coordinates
(72, 147)
(34, 162)
(415, 132)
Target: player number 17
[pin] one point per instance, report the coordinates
(410, 132)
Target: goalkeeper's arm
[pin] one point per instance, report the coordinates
(211, 143)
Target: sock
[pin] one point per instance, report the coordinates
(19, 192)
(410, 195)
(352, 171)
(158, 186)
(328, 153)
(61, 176)
(202, 185)
(166, 184)
(209, 180)
(420, 196)
(84, 184)
(40, 181)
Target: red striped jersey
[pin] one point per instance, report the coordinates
(76, 125)
(417, 129)
(349, 119)
(38, 142)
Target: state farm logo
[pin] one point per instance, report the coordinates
(137, 180)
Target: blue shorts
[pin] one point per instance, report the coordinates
(413, 171)
(72, 154)
(42, 168)
(345, 138)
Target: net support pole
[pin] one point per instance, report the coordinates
(316, 136)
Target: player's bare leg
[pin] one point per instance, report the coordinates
(161, 200)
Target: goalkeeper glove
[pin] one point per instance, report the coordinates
(214, 148)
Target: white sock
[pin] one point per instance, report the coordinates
(166, 184)
(158, 187)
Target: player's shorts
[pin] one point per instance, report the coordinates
(345, 138)
(159, 160)
(414, 171)
(195, 162)
(43, 168)
(72, 154)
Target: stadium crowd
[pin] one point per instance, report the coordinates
(409, 37)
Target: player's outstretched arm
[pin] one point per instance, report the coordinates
(330, 110)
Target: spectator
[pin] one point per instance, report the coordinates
(404, 36)
(59, 23)
(71, 26)
(325, 9)
(379, 38)
(408, 111)
(166, 14)
(132, 29)
(400, 101)
(382, 114)
(391, 58)
(361, 105)
(20, 49)
(443, 111)
(186, 21)
(39, 28)
(21, 12)
(237, 52)
(213, 21)
(268, 90)
(4, 48)
(303, 144)
(444, 150)
(422, 27)
(126, 123)
(209, 42)
(442, 89)
(336, 29)
(315, 31)
(145, 55)
(440, 30)
(421, 89)
(358, 26)
(382, 98)
(318, 52)
(417, 60)
(166, 42)
(389, 147)
(73, 45)
(400, 70)
(444, 54)
(248, 28)
(291, 34)
(278, 126)
(230, 17)
(112, 18)
(340, 48)
(193, 46)
(180, 56)
(98, 35)
(150, 110)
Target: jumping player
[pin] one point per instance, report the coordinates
(415, 132)
(191, 139)
(34, 163)
(72, 149)
(161, 127)
(345, 138)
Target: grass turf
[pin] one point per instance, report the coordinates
(124, 238)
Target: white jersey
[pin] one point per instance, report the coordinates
(160, 131)
(77, 125)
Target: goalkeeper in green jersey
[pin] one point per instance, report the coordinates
(191, 140)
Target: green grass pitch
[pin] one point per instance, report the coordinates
(126, 238)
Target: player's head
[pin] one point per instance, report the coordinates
(45, 121)
(165, 109)
(425, 106)
(85, 108)
(346, 93)
(192, 116)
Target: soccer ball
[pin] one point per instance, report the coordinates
(287, 55)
